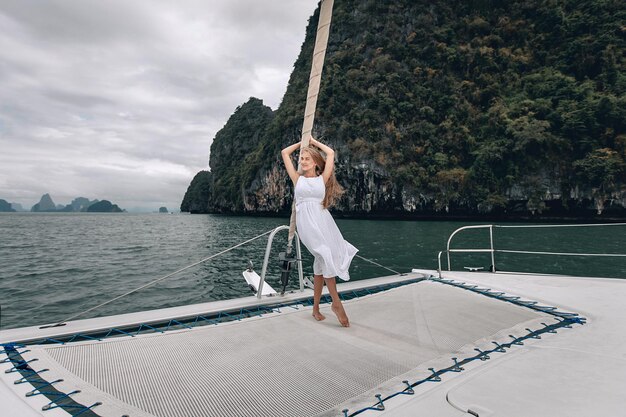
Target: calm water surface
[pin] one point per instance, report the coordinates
(53, 265)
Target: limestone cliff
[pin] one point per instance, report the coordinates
(447, 108)
(45, 204)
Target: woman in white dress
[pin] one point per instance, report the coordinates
(316, 189)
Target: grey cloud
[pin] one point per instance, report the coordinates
(120, 100)
(76, 99)
(83, 21)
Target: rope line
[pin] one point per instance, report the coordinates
(149, 284)
(377, 264)
(310, 104)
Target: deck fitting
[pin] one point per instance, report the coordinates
(380, 406)
(409, 389)
(499, 347)
(434, 377)
(483, 356)
(456, 367)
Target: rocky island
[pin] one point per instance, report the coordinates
(104, 206)
(5, 206)
(445, 109)
(79, 204)
(45, 204)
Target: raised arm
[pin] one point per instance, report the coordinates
(291, 169)
(330, 158)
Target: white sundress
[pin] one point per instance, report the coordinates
(318, 231)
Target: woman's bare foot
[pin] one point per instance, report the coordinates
(318, 316)
(341, 314)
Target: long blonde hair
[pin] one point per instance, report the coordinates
(334, 191)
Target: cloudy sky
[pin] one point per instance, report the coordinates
(120, 100)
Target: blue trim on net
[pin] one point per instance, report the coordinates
(563, 320)
(62, 400)
(215, 318)
(58, 399)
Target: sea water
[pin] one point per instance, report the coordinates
(54, 265)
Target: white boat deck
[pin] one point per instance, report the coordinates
(578, 372)
(34, 333)
(287, 364)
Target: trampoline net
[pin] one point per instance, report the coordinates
(285, 364)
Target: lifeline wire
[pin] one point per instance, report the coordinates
(164, 277)
(377, 264)
(560, 253)
(557, 225)
(190, 266)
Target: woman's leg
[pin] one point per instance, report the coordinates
(337, 307)
(318, 286)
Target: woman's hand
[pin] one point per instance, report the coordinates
(291, 169)
(290, 149)
(330, 158)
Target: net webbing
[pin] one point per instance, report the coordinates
(286, 364)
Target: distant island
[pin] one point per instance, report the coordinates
(5, 206)
(104, 206)
(45, 204)
(17, 207)
(79, 204)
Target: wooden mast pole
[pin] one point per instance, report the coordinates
(317, 64)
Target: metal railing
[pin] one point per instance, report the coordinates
(492, 250)
(268, 249)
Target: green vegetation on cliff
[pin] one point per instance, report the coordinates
(236, 153)
(458, 106)
(196, 199)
